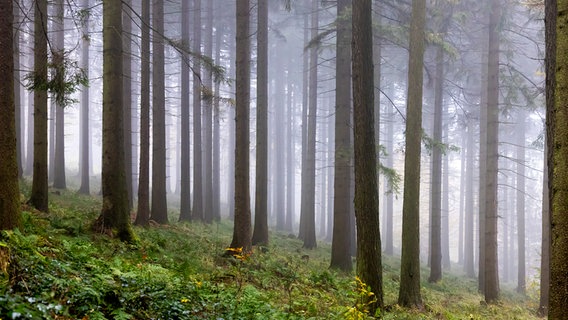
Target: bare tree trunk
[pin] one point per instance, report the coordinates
(216, 135)
(309, 172)
(208, 120)
(291, 158)
(159, 208)
(115, 214)
(491, 287)
(260, 234)
(366, 190)
(143, 215)
(305, 94)
(468, 255)
(84, 163)
(58, 60)
(341, 240)
(39, 195)
(197, 212)
(242, 227)
(10, 195)
(409, 293)
(127, 99)
(436, 178)
(185, 195)
(521, 163)
(17, 87)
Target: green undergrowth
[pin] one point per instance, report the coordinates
(55, 267)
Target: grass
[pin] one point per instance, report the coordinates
(55, 267)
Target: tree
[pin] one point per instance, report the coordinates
(10, 195)
(341, 246)
(39, 195)
(260, 233)
(143, 214)
(127, 100)
(242, 228)
(17, 88)
(307, 226)
(550, 67)
(84, 163)
(556, 126)
(208, 119)
(369, 265)
(409, 293)
(115, 213)
(491, 275)
(185, 195)
(197, 212)
(159, 209)
(521, 163)
(58, 53)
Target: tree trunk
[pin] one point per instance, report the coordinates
(309, 177)
(242, 228)
(17, 88)
(10, 195)
(260, 234)
(159, 209)
(491, 281)
(468, 254)
(290, 159)
(197, 212)
(557, 129)
(84, 163)
(127, 99)
(550, 68)
(341, 240)
(208, 120)
(436, 178)
(39, 195)
(369, 266)
(143, 215)
(115, 213)
(185, 194)
(409, 294)
(521, 162)
(216, 134)
(305, 94)
(58, 60)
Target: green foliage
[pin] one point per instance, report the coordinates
(66, 78)
(56, 268)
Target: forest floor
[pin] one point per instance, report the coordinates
(56, 268)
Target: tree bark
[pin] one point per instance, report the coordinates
(341, 240)
(39, 195)
(115, 214)
(143, 215)
(159, 208)
(242, 227)
(409, 293)
(10, 196)
(127, 99)
(185, 194)
(260, 234)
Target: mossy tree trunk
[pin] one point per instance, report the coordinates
(10, 195)
(557, 131)
(369, 264)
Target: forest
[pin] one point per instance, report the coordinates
(283, 159)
